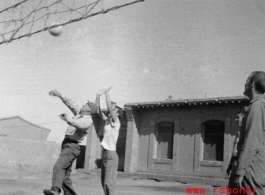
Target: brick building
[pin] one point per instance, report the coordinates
(17, 127)
(184, 137)
(192, 137)
(24, 146)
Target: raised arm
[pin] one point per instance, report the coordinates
(75, 108)
(100, 113)
(109, 106)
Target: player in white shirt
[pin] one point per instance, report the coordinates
(111, 129)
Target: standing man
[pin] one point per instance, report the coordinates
(231, 170)
(250, 174)
(111, 129)
(79, 125)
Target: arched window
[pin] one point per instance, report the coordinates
(164, 138)
(213, 140)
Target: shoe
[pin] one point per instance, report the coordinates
(50, 192)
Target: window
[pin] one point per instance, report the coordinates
(164, 137)
(213, 138)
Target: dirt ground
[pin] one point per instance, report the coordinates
(85, 183)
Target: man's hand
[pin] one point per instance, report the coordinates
(101, 92)
(64, 117)
(55, 93)
(228, 171)
(238, 181)
(226, 175)
(107, 89)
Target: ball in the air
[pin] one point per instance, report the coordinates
(56, 31)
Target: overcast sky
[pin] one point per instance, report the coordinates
(147, 51)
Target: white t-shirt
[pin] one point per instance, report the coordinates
(111, 134)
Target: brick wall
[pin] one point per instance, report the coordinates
(28, 155)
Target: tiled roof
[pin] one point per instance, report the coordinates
(189, 102)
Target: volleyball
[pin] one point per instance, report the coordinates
(56, 31)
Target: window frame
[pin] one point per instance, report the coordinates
(204, 124)
(156, 139)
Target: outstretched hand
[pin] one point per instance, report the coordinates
(103, 91)
(55, 93)
(107, 89)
